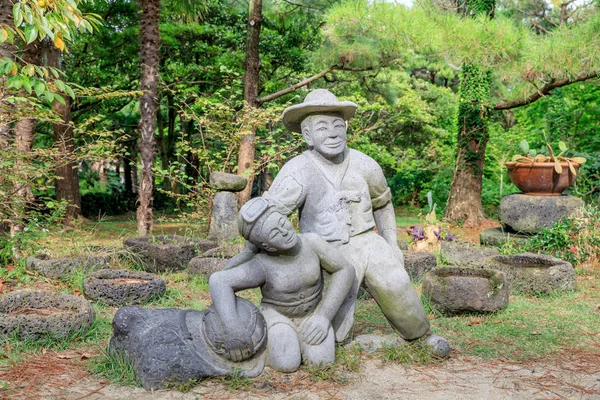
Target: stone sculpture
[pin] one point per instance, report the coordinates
(288, 271)
(223, 222)
(342, 195)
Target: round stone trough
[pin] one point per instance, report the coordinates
(455, 290)
(167, 252)
(61, 268)
(34, 314)
(536, 273)
(119, 287)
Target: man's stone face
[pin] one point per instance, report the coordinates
(327, 135)
(275, 234)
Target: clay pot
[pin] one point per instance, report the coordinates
(540, 179)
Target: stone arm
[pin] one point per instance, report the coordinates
(314, 330)
(385, 219)
(222, 286)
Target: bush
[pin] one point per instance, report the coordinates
(575, 239)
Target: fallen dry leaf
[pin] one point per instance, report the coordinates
(536, 333)
(43, 350)
(65, 356)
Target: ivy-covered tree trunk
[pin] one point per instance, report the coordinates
(148, 106)
(252, 68)
(464, 202)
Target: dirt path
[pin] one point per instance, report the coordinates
(573, 377)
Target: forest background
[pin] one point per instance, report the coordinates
(85, 131)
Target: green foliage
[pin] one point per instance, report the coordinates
(413, 354)
(575, 238)
(115, 368)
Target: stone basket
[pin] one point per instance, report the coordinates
(31, 314)
(167, 252)
(61, 268)
(536, 273)
(455, 290)
(118, 287)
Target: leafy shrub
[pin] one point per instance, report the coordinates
(575, 239)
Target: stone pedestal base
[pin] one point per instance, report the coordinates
(529, 214)
(224, 219)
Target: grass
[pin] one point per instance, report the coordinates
(529, 328)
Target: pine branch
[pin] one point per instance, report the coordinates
(544, 90)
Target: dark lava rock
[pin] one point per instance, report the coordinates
(118, 287)
(167, 252)
(498, 237)
(224, 218)
(228, 182)
(536, 273)
(33, 314)
(225, 251)
(454, 290)
(61, 268)
(417, 264)
(464, 254)
(206, 266)
(530, 214)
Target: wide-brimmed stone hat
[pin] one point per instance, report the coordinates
(319, 100)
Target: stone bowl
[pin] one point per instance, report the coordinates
(32, 314)
(536, 273)
(455, 290)
(167, 252)
(119, 287)
(61, 268)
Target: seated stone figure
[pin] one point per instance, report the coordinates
(288, 269)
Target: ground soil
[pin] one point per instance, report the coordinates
(571, 376)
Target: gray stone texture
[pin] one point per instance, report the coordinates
(167, 252)
(224, 251)
(228, 182)
(498, 237)
(402, 245)
(529, 214)
(119, 287)
(417, 264)
(224, 218)
(465, 254)
(32, 314)
(455, 290)
(206, 266)
(171, 347)
(61, 268)
(536, 273)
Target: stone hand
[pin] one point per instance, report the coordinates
(314, 330)
(239, 346)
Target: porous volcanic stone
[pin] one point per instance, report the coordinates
(536, 273)
(118, 287)
(171, 347)
(464, 254)
(498, 237)
(454, 290)
(417, 264)
(224, 218)
(228, 182)
(61, 268)
(225, 251)
(33, 314)
(167, 252)
(206, 266)
(530, 214)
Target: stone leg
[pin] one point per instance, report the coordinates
(389, 284)
(283, 344)
(322, 354)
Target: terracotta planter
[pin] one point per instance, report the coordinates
(540, 179)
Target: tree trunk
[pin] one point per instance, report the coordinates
(24, 135)
(148, 106)
(67, 180)
(464, 202)
(6, 50)
(247, 146)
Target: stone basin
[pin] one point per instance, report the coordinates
(34, 314)
(455, 290)
(167, 252)
(118, 287)
(536, 273)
